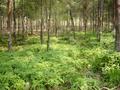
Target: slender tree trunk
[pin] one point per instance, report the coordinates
(2, 27)
(19, 25)
(93, 17)
(85, 16)
(31, 27)
(9, 23)
(79, 23)
(49, 24)
(114, 17)
(23, 29)
(73, 24)
(55, 21)
(117, 25)
(85, 24)
(14, 19)
(100, 11)
(36, 26)
(41, 32)
(26, 27)
(23, 26)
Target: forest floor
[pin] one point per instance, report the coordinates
(68, 65)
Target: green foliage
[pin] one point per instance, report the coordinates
(108, 65)
(68, 65)
(60, 68)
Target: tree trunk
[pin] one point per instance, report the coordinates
(31, 27)
(23, 29)
(73, 24)
(1, 29)
(100, 11)
(55, 21)
(93, 17)
(23, 26)
(49, 25)
(18, 24)
(41, 32)
(117, 25)
(14, 19)
(9, 23)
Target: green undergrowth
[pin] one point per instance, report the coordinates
(70, 64)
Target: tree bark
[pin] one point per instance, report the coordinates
(31, 27)
(100, 11)
(23, 26)
(41, 32)
(9, 22)
(73, 24)
(49, 24)
(117, 25)
(14, 19)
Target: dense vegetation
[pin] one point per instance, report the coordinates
(59, 45)
(69, 64)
